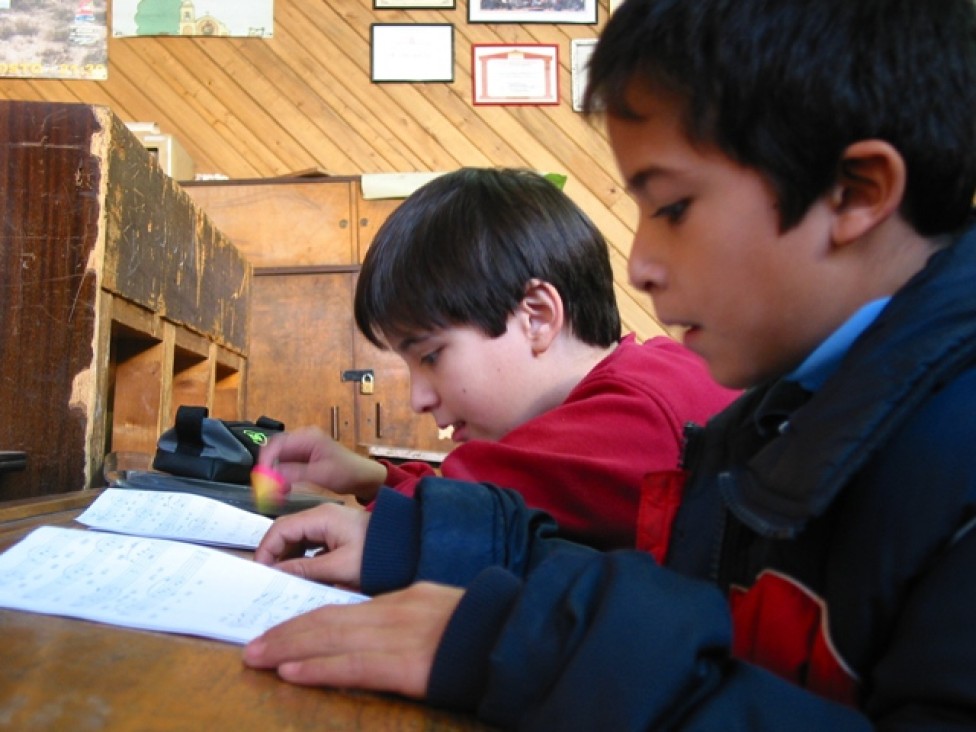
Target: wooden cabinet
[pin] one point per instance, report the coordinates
(306, 238)
(119, 299)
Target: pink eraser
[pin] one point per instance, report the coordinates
(268, 487)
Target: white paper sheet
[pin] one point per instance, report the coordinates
(154, 584)
(172, 515)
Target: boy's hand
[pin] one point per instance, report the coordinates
(309, 455)
(339, 530)
(385, 644)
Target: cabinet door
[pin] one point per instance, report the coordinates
(370, 215)
(284, 223)
(301, 341)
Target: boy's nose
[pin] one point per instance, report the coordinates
(644, 268)
(423, 397)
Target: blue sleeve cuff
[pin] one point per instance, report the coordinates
(392, 549)
(461, 664)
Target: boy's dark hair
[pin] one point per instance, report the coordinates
(461, 249)
(784, 86)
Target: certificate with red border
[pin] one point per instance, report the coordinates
(515, 74)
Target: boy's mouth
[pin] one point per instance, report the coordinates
(685, 333)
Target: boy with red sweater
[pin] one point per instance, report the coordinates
(496, 291)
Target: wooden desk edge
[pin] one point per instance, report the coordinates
(21, 508)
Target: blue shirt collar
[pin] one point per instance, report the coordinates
(821, 364)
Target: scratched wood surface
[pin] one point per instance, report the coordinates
(47, 291)
(87, 219)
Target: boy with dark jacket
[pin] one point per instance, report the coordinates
(805, 173)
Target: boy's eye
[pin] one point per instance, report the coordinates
(674, 212)
(429, 358)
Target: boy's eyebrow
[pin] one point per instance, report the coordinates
(411, 340)
(639, 179)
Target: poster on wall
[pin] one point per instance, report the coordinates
(54, 39)
(238, 18)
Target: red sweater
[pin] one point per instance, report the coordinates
(584, 462)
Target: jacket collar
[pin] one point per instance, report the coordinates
(926, 334)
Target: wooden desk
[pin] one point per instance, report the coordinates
(60, 673)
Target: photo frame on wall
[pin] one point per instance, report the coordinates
(581, 50)
(537, 11)
(414, 4)
(411, 52)
(515, 74)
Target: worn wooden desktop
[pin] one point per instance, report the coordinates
(65, 674)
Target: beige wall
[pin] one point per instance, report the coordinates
(268, 107)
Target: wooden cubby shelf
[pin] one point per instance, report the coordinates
(119, 298)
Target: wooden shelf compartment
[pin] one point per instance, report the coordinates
(119, 298)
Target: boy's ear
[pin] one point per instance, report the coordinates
(541, 314)
(870, 188)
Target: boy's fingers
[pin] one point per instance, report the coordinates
(290, 535)
(329, 631)
(285, 537)
(345, 645)
(371, 671)
(329, 567)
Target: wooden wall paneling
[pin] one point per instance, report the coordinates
(202, 120)
(355, 120)
(349, 57)
(550, 150)
(142, 101)
(257, 103)
(352, 133)
(438, 141)
(564, 134)
(310, 121)
(239, 153)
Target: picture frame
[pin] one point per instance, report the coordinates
(414, 4)
(580, 49)
(533, 11)
(515, 74)
(411, 52)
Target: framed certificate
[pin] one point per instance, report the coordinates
(582, 49)
(536, 11)
(519, 74)
(411, 52)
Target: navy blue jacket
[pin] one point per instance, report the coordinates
(821, 575)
